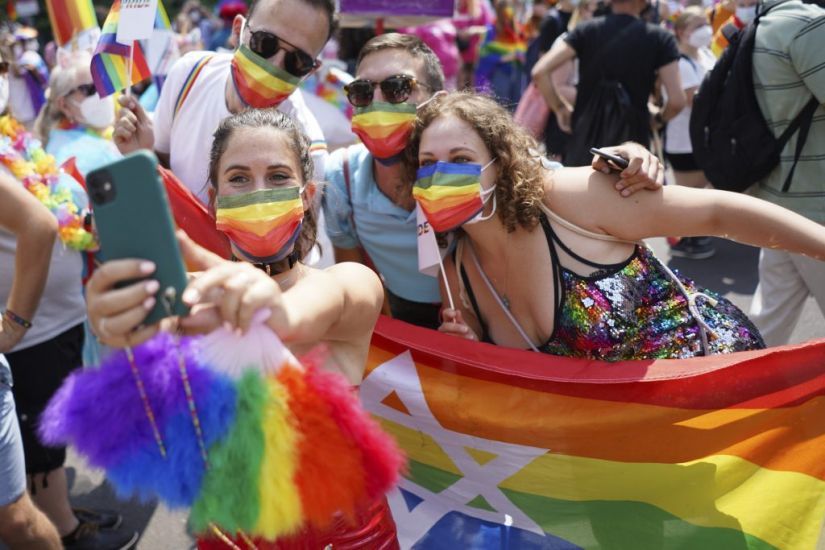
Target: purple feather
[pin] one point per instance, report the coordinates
(100, 412)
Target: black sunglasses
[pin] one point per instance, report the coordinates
(296, 61)
(4, 67)
(87, 90)
(395, 89)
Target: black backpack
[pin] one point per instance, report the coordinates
(731, 141)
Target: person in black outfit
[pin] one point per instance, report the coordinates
(620, 57)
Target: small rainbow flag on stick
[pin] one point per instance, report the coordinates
(111, 59)
(69, 17)
(510, 449)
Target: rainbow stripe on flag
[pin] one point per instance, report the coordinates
(162, 49)
(499, 53)
(111, 58)
(69, 17)
(511, 449)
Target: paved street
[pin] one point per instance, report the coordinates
(732, 271)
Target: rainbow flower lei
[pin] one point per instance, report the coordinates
(24, 156)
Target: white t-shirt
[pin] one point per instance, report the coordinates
(62, 305)
(692, 72)
(188, 138)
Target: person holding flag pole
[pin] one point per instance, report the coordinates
(369, 212)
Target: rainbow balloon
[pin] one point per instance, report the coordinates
(386, 127)
(233, 427)
(259, 83)
(451, 199)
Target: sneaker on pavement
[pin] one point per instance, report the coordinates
(693, 248)
(104, 519)
(87, 537)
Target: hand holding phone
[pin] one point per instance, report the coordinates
(133, 220)
(620, 163)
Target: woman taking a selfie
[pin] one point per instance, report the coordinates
(547, 260)
(261, 159)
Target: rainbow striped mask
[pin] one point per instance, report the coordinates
(384, 128)
(263, 225)
(450, 193)
(260, 83)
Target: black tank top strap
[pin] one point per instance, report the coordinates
(471, 295)
(558, 287)
(548, 230)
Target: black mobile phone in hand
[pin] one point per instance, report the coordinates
(133, 220)
(618, 161)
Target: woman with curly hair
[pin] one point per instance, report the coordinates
(550, 261)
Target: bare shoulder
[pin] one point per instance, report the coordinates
(355, 277)
(580, 195)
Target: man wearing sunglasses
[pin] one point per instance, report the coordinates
(370, 217)
(279, 43)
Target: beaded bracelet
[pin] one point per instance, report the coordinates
(12, 316)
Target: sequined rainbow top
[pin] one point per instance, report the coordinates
(637, 309)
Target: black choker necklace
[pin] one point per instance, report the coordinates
(274, 268)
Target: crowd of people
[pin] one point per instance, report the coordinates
(539, 252)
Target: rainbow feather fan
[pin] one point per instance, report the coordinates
(233, 427)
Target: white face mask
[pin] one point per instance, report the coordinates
(98, 113)
(4, 93)
(701, 37)
(746, 15)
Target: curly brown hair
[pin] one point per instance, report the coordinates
(520, 182)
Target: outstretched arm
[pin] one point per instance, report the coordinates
(682, 211)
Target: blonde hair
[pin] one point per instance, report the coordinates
(686, 16)
(520, 181)
(62, 81)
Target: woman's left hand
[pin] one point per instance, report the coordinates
(228, 292)
(644, 170)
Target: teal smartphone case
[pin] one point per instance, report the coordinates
(133, 220)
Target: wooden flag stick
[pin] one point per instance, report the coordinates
(129, 70)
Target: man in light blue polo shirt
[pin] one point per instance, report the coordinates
(370, 214)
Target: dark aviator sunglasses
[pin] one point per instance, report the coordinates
(395, 89)
(296, 61)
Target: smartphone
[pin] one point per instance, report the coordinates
(615, 159)
(133, 220)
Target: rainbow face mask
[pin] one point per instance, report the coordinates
(384, 128)
(263, 225)
(450, 194)
(260, 83)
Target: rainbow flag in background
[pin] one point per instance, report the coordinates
(111, 58)
(69, 17)
(162, 49)
(516, 450)
(499, 53)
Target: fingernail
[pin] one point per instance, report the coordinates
(151, 287)
(149, 303)
(147, 267)
(228, 326)
(191, 296)
(239, 332)
(625, 193)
